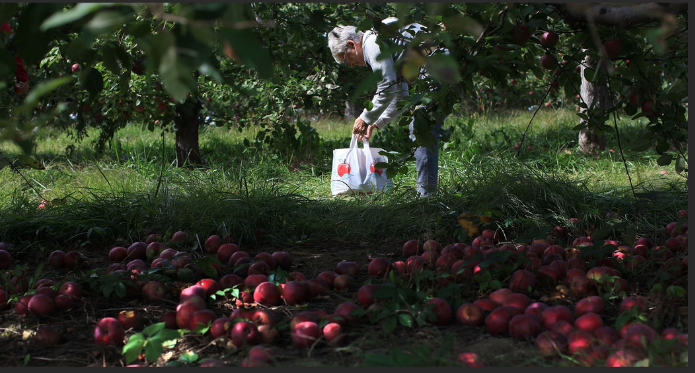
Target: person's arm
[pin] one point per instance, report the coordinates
(388, 91)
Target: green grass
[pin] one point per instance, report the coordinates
(134, 188)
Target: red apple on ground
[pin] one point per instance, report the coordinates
(74, 260)
(56, 259)
(329, 277)
(632, 302)
(46, 336)
(267, 294)
(209, 285)
(71, 289)
(153, 291)
(259, 268)
(412, 247)
(470, 314)
(551, 343)
(343, 282)
(364, 294)
(305, 334)
(117, 254)
(179, 236)
(109, 331)
(497, 322)
(553, 314)
(169, 320)
(623, 358)
(47, 291)
(225, 251)
(333, 333)
(212, 243)
(230, 280)
(201, 318)
(184, 315)
(518, 300)
(379, 267)
(442, 311)
(283, 259)
(580, 342)
(193, 290)
(500, 295)
(4, 300)
(347, 268)
(245, 333)
(344, 309)
(522, 281)
(588, 322)
(486, 304)
(137, 250)
(41, 305)
(263, 353)
(128, 318)
(524, 326)
(317, 286)
(589, 304)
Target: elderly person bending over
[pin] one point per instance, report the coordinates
(361, 49)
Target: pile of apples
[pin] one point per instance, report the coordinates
(581, 330)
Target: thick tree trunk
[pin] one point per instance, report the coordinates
(590, 92)
(187, 121)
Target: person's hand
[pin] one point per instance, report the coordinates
(362, 130)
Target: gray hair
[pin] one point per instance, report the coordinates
(338, 38)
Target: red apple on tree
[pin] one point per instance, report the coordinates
(548, 61)
(520, 34)
(549, 39)
(613, 47)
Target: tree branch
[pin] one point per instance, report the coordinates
(623, 16)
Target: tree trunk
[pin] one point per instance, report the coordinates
(352, 110)
(591, 92)
(187, 120)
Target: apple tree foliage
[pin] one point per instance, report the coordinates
(168, 65)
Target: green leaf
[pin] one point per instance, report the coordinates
(681, 165)
(385, 291)
(153, 349)
(642, 144)
(389, 325)
(367, 85)
(42, 89)
(133, 347)
(177, 78)
(664, 160)
(250, 51)
(72, 15)
(189, 357)
(153, 329)
(405, 319)
(443, 68)
(93, 82)
(106, 21)
(204, 34)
